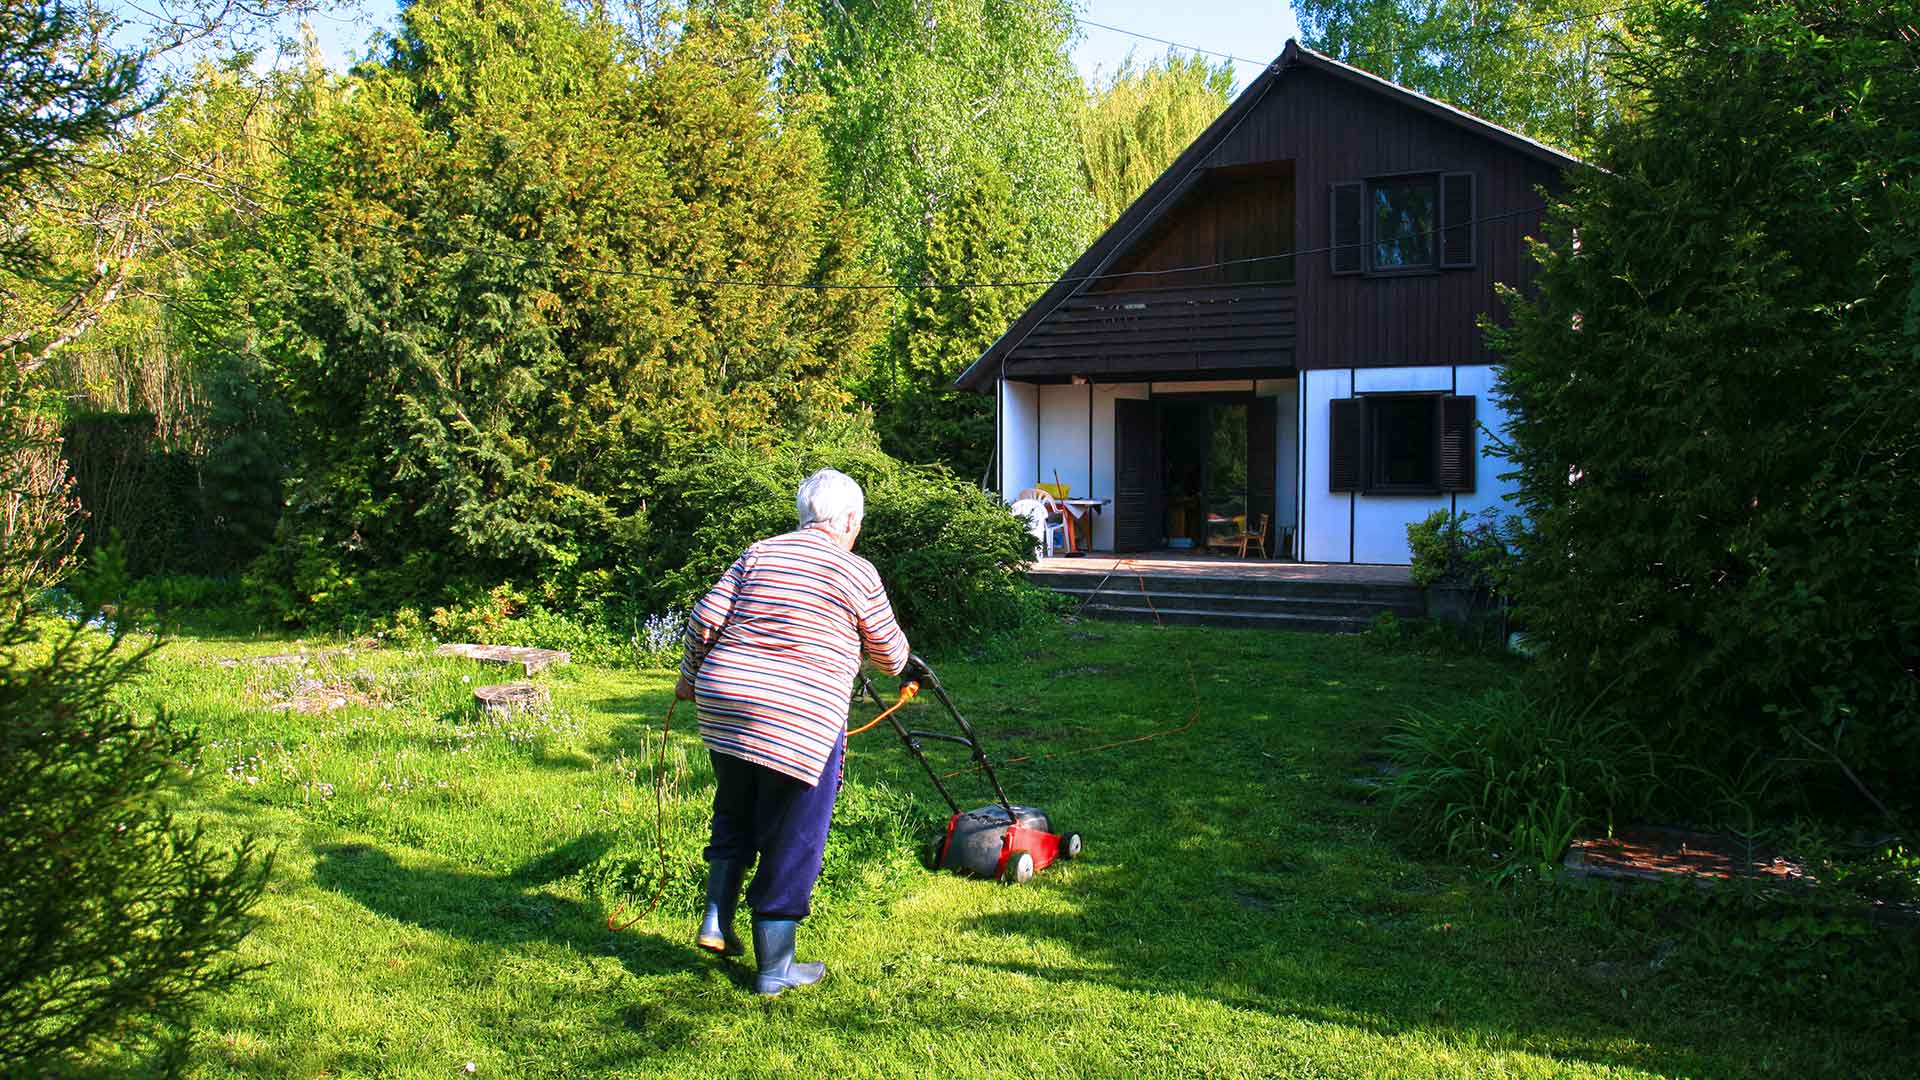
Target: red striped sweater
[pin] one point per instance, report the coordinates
(773, 650)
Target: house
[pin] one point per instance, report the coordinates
(1283, 324)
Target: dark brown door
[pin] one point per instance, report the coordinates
(1263, 431)
(1136, 491)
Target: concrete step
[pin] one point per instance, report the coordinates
(1262, 620)
(1230, 600)
(1243, 586)
(1362, 608)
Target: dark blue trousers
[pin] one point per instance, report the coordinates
(759, 811)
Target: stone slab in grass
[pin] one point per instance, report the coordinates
(531, 660)
(509, 698)
(1654, 854)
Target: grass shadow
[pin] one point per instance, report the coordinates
(1235, 862)
(496, 910)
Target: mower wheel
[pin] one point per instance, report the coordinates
(1070, 846)
(1019, 868)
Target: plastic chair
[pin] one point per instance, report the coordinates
(1056, 512)
(1040, 522)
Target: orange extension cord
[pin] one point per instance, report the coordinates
(907, 693)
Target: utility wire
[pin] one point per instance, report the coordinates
(1026, 283)
(1173, 44)
(1352, 57)
(802, 286)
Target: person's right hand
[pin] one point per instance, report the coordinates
(683, 690)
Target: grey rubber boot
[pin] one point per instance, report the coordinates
(773, 951)
(723, 895)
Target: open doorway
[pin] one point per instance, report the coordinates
(1204, 472)
(1193, 470)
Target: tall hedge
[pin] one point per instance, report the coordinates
(508, 310)
(1716, 398)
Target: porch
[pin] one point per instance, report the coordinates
(1180, 587)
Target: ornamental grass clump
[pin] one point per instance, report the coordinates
(1514, 780)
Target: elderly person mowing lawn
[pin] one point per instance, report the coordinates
(772, 653)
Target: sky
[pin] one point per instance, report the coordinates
(1253, 30)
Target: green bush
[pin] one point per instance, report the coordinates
(502, 616)
(1462, 549)
(1715, 401)
(1791, 952)
(1512, 779)
(175, 511)
(113, 918)
(950, 555)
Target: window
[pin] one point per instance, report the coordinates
(1403, 216)
(1401, 444)
(1402, 224)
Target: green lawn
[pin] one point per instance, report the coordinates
(1245, 906)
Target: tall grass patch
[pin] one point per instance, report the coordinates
(1514, 779)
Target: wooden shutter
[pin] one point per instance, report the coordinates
(1457, 458)
(1458, 238)
(1348, 246)
(1346, 459)
(1136, 493)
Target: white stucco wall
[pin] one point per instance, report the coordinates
(1066, 437)
(1325, 517)
(1489, 490)
(1019, 437)
(1373, 528)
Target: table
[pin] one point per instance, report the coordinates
(1074, 509)
(1236, 526)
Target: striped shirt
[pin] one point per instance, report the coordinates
(773, 650)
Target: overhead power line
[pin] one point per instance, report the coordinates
(760, 283)
(1173, 44)
(832, 286)
(1353, 57)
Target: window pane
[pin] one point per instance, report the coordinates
(1403, 441)
(1403, 222)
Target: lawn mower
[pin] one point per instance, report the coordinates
(999, 841)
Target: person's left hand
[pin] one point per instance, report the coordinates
(683, 689)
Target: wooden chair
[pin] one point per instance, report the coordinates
(1257, 538)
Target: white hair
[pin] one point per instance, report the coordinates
(831, 498)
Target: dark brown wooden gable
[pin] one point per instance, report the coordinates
(1335, 131)
(1238, 215)
(1323, 123)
